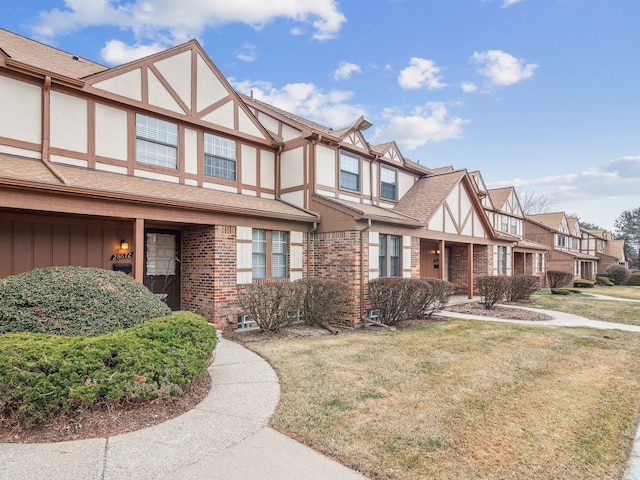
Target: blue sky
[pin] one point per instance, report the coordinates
(540, 94)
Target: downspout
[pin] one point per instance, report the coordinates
(310, 247)
(46, 130)
(362, 277)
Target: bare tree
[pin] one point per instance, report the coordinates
(535, 202)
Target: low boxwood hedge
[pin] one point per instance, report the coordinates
(45, 376)
(75, 301)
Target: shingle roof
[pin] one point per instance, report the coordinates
(33, 173)
(47, 58)
(550, 220)
(426, 195)
(371, 211)
(499, 196)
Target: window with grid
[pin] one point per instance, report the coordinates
(156, 142)
(219, 157)
(388, 181)
(502, 260)
(349, 172)
(514, 226)
(269, 254)
(505, 223)
(389, 256)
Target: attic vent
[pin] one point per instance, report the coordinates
(75, 58)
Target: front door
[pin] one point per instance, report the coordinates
(162, 265)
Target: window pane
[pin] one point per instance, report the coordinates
(394, 256)
(259, 257)
(220, 157)
(387, 183)
(382, 258)
(279, 254)
(156, 142)
(349, 172)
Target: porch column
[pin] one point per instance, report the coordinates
(138, 248)
(444, 265)
(470, 268)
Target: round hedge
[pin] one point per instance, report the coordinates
(75, 301)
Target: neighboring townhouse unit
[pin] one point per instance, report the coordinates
(382, 214)
(602, 244)
(158, 168)
(508, 220)
(564, 236)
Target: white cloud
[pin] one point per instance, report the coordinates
(420, 73)
(345, 70)
(502, 68)
(508, 3)
(597, 194)
(306, 100)
(117, 52)
(468, 87)
(248, 53)
(170, 22)
(426, 124)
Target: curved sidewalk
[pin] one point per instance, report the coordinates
(224, 437)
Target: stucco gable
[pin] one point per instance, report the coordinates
(183, 81)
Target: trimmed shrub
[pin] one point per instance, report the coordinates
(605, 281)
(634, 280)
(399, 298)
(75, 301)
(619, 274)
(325, 300)
(492, 289)
(46, 376)
(560, 291)
(273, 305)
(583, 283)
(521, 287)
(558, 278)
(441, 292)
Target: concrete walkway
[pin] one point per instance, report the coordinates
(224, 437)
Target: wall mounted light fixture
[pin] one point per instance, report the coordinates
(124, 245)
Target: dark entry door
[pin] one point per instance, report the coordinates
(162, 265)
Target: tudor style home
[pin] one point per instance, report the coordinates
(564, 235)
(601, 243)
(505, 214)
(382, 214)
(158, 168)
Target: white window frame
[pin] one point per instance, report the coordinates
(349, 169)
(156, 142)
(386, 254)
(390, 174)
(502, 260)
(270, 254)
(220, 157)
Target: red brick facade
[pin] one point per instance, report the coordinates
(209, 273)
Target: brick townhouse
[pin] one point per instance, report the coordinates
(160, 169)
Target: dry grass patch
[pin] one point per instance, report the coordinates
(616, 311)
(463, 399)
(632, 293)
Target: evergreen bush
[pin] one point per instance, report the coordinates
(605, 281)
(45, 376)
(583, 283)
(75, 301)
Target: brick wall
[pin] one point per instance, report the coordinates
(336, 256)
(415, 257)
(209, 273)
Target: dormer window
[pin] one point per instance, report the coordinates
(388, 182)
